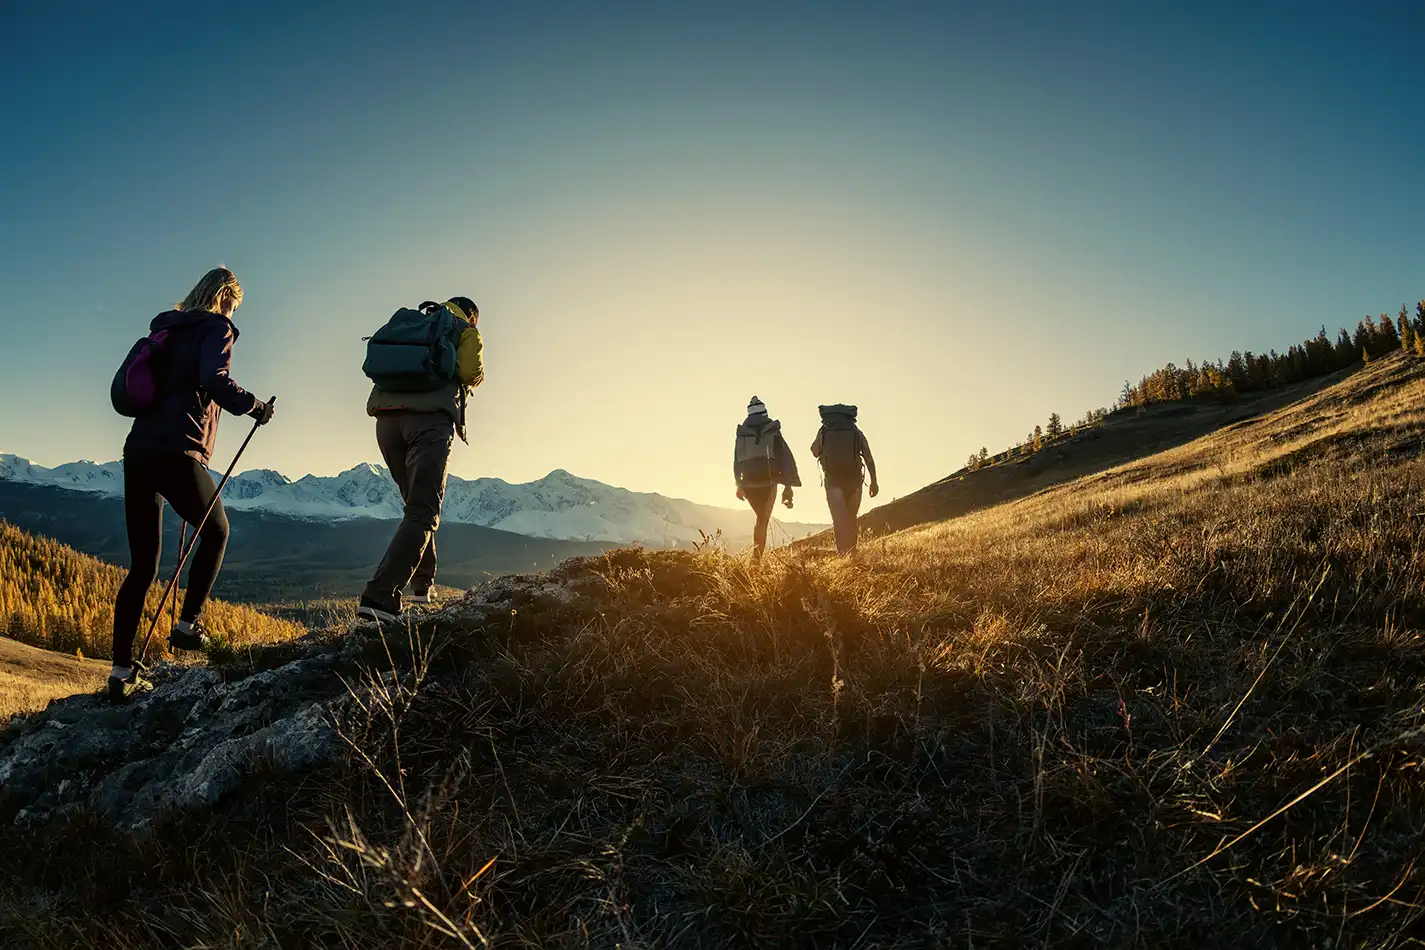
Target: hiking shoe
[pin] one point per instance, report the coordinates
(382, 612)
(423, 597)
(122, 690)
(188, 636)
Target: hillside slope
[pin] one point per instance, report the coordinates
(1120, 437)
(1172, 705)
(31, 677)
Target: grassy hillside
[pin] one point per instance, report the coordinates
(52, 596)
(31, 677)
(273, 559)
(1175, 704)
(1121, 436)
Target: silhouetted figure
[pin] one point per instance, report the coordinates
(762, 460)
(166, 457)
(842, 449)
(422, 364)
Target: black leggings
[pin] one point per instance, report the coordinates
(186, 483)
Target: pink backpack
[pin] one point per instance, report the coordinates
(137, 385)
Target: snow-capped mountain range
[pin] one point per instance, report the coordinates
(560, 505)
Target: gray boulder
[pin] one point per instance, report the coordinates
(187, 744)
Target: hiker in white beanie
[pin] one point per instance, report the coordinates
(761, 461)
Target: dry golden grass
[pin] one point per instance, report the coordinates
(30, 677)
(1123, 437)
(1177, 704)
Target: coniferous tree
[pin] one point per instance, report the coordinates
(1237, 370)
(1056, 426)
(1261, 371)
(1248, 372)
(1345, 349)
(1321, 355)
(1365, 331)
(1386, 339)
(1038, 438)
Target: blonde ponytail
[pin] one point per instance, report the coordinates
(217, 287)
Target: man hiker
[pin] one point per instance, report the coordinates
(841, 447)
(761, 461)
(422, 365)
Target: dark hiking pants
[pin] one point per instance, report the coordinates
(188, 486)
(416, 448)
(844, 500)
(763, 501)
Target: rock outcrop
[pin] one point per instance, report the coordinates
(203, 731)
(185, 745)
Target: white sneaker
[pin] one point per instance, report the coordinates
(368, 610)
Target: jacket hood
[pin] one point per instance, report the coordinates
(458, 310)
(760, 424)
(174, 319)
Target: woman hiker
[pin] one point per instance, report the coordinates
(166, 458)
(761, 460)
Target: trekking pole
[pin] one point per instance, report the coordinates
(173, 583)
(182, 556)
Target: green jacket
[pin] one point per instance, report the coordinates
(469, 373)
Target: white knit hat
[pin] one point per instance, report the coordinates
(756, 408)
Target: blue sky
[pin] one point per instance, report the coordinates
(959, 216)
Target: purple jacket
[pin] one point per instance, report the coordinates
(196, 386)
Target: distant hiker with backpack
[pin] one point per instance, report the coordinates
(422, 365)
(845, 457)
(761, 461)
(174, 383)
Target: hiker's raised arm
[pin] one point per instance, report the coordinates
(215, 356)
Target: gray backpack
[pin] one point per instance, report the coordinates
(754, 458)
(840, 444)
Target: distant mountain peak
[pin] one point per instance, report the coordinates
(561, 505)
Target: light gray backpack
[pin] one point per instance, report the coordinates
(754, 459)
